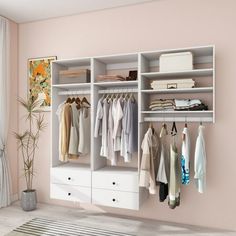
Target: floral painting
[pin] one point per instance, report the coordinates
(39, 76)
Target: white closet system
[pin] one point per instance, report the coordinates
(92, 179)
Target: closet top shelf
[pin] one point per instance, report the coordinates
(72, 85)
(181, 90)
(179, 74)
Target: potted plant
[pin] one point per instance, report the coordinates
(28, 143)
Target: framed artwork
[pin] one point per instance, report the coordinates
(39, 80)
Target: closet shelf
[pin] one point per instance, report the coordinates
(183, 90)
(117, 83)
(72, 86)
(178, 74)
(70, 165)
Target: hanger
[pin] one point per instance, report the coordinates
(151, 127)
(163, 129)
(68, 100)
(73, 100)
(84, 100)
(174, 129)
(186, 125)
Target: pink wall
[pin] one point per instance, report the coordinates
(13, 123)
(156, 25)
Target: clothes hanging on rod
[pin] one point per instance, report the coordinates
(163, 174)
(175, 175)
(148, 167)
(185, 156)
(116, 123)
(200, 161)
(74, 128)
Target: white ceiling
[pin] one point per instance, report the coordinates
(22, 11)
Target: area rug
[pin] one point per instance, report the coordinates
(43, 227)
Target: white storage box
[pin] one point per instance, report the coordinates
(173, 84)
(176, 62)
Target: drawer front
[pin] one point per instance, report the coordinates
(71, 177)
(119, 199)
(70, 193)
(116, 182)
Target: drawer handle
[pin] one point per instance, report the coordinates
(69, 194)
(69, 178)
(113, 199)
(114, 183)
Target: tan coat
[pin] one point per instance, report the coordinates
(65, 126)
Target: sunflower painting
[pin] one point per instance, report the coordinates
(39, 77)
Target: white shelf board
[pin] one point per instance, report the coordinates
(72, 86)
(74, 62)
(179, 74)
(200, 51)
(177, 112)
(183, 90)
(79, 166)
(117, 83)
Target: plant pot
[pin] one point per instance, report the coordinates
(29, 200)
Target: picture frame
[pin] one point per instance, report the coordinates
(39, 80)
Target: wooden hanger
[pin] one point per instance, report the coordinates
(68, 100)
(84, 100)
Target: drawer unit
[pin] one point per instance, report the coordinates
(118, 199)
(71, 176)
(71, 193)
(116, 181)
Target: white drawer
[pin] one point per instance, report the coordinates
(119, 199)
(116, 181)
(70, 193)
(73, 176)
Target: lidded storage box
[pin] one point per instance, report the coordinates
(74, 76)
(176, 62)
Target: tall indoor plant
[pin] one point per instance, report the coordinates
(28, 143)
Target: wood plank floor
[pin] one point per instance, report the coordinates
(12, 217)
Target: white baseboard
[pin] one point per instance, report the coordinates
(14, 197)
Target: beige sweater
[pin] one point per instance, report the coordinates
(148, 166)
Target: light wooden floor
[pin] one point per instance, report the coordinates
(12, 217)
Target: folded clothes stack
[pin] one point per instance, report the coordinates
(172, 84)
(162, 104)
(189, 105)
(177, 105)
(110, 78)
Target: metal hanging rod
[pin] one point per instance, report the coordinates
(121, 90)
(77, 92)
(178, 119)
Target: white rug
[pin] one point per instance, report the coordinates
(46, 227)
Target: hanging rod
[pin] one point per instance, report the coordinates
(77, 92)
(178, 119)
(121, 90)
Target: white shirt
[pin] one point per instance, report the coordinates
(97, 129)
(104, 147)
(161, 174)
(200, 161)
(117, 114)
